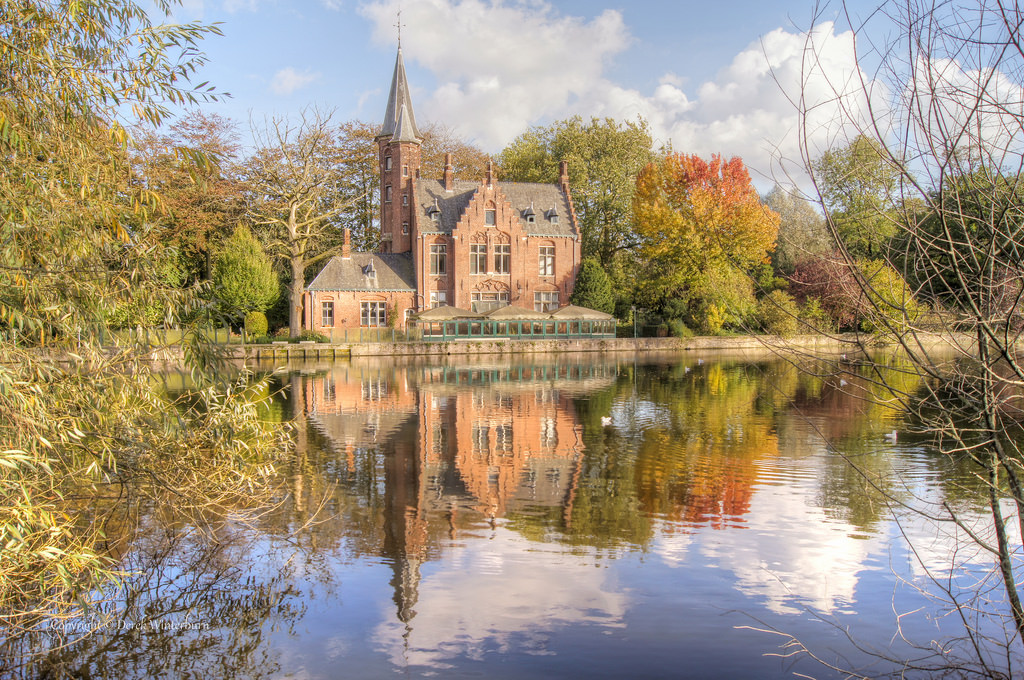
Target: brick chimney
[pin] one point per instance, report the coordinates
(563, 176)
(490, 174)
(449, 173)
(346, 247)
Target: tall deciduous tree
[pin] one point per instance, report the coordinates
(360, 179)
(604, 159)
(468, 161)
(858, 189)
(296, 190)
(802, 230)
(202, 201)
(696, 216)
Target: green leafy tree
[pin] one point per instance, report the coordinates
(802, 230)
(604, 159)
(779, 313)
(858, 187)
(593, 288)
(360, 179)
(243, 276)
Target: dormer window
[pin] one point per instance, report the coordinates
(371, 275)
(529, 215)
(553, 215)
(434, 212)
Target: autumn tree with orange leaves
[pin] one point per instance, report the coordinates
(705, 233)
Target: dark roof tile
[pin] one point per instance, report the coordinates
(394, 272)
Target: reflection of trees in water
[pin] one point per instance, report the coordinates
(687, 445)
(191, 605)
(700, 466)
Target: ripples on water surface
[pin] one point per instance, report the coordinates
(570, 517)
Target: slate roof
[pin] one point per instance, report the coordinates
(399, 120)
(522, 195)
(394, 272)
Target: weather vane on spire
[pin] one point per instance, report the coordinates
(398, 25)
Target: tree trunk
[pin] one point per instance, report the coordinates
(295, 302)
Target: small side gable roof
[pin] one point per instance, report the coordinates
(393, 272)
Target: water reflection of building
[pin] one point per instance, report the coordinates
(449, 447)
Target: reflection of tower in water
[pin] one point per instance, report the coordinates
(452, 447)
(405, 522)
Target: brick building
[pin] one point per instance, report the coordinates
(471, 243)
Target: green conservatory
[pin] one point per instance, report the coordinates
(451, 323)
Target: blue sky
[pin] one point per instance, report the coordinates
(489, 69)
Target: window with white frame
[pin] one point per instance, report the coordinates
(503, 438)
(478, 258)
(327, 314)
(373, 314)
(548, 434)
(547, 261)
(438, 259)
(485, 302)
(438, 298)
(545, 302)
(481, 435)
(502, 258)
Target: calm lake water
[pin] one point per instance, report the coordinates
(571, 517)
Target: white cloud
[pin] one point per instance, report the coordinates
(501, 604)
(501, 66)
(288, 80)
(504, 66)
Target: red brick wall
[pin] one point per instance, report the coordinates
(524, 278)
(347, 308)
(395, 213)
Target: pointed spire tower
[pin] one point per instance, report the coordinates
(399, 144)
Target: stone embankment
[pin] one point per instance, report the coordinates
(810, 344)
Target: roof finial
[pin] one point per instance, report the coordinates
(398, 25)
